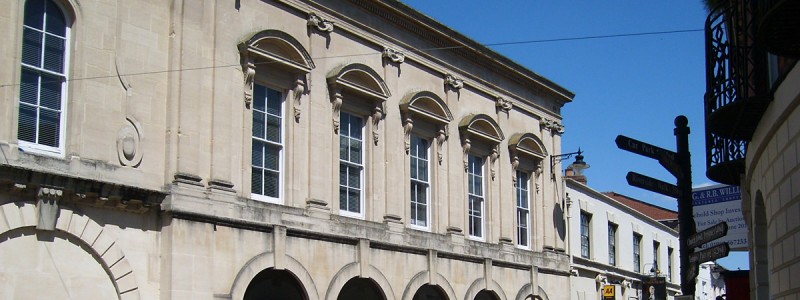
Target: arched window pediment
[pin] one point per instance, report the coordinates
(527, 144)
(428, 105)
(359, 78)
(279, 47)
(482, 126)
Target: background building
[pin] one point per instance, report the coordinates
(300, 149)
(612, 243)
(752, 113)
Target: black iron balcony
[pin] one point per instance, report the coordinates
(725, 159)
(737, 91)
(779, 26)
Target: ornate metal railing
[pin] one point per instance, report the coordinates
(736, 88)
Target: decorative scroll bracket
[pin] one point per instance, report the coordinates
(336, 101)
(249, 78)
(441, 136)
(319, 23)
(453, 82)
(298, 90)
(394, 55)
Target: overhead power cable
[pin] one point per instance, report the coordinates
(591, 37)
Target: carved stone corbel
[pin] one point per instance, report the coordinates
(514, 166)
(377, 115)
(394, 55)
(408, 125)
(503, 104)
(553, 126)
(298, 90)
(249, 78)
(336, 102)
(492, 160)
(47, 208)
(453, 82)
(466, 145)
(320, 23)
(441, 136)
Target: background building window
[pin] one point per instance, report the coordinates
(267, 142)
(523, 209)
(43, 77)
(637, 256)
(669, 264)
(476, 197)
(612, 244)
(420, 181)
(656, 245)
(585, 237)
(351, 167)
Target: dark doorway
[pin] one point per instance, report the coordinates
(486, 295)
(274, 284)
(429, 292)
(361, 289)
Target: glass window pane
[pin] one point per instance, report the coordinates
(271, 183)
(342, 198)
(274, 102)
(344, 144)
(257, 181)
(31, 47)
(342, 174)
(258, 154)
(354, 177)
(51, 92)
(353, 201)
(259, 129)
(49, 127)
(34, 14)
(414, 168)
(56, 24)
(272, 158)
(355, 151)
(423, 170)
(259, 98)
(27, 123)
(422, 215)
(355, 127)
(54, 53)
(273, 129)
(29, 87)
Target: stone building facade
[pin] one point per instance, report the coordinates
(187, 149)
(613, 244)
(753, 137)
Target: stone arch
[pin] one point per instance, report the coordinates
(483, 126)
(101, 244)
(482, 284)
(265, 261)
(760, 248)
(428, 105)
(525, 293)
(352, 270)
(359, 78)
(529, 144)
(421, 279)
(279, 47)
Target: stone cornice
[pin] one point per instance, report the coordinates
(434, 33)
(80, 191)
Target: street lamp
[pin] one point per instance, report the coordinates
(578, 166)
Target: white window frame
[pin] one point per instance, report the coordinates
(612, 243)
(362, 188)
(637, 252)
(481, 197)
(34, 147)
(523, 189)
(588, 239)
(425, 184)
(282, 145)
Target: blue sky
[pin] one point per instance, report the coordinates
(634, 86)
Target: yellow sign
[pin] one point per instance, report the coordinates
(608, 291)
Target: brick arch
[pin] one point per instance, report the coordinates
(421, 279)
(353, 270)
(265, 261)
(101, 244)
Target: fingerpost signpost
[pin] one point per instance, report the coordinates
(678, 164)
